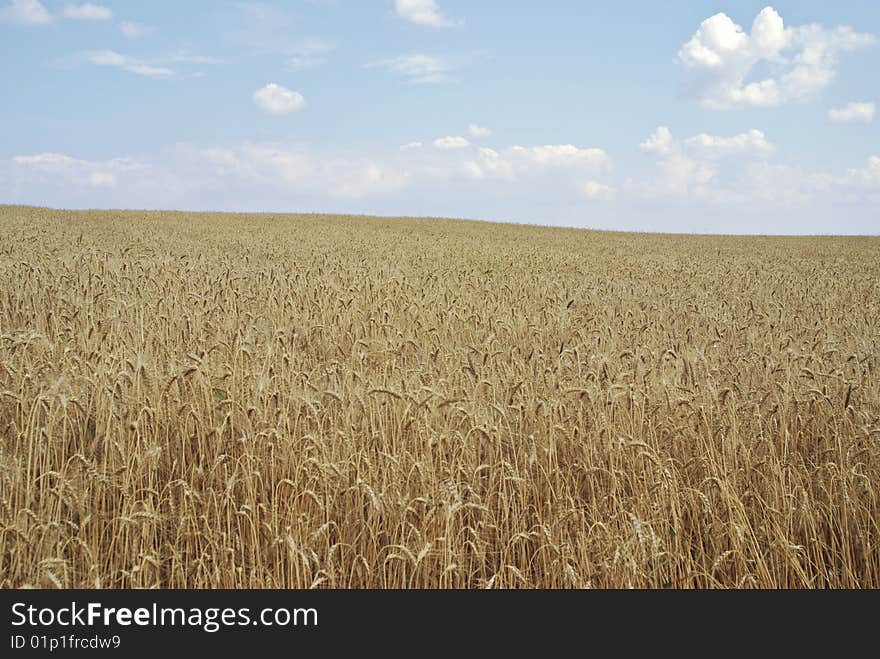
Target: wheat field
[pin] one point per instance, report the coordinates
(273, 401)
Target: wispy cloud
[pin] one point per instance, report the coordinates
(88, 12)
(597, 190)
(423, 12)
(81, 173)
(418, 68)
(116, 60)
(264, 28)
(185, 57)
(478, 131)
(134, 30)
(161, 65)
(308, 52)
(853, 113)
(25, 12)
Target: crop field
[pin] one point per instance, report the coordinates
(255, 401)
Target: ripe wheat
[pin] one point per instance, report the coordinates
(207, 401)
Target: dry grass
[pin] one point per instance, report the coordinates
(207, 401)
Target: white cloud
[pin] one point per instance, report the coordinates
(695, 167)
(25, 12)
(183, 56)
(717, 40)
(681, 175)
(116, 60)
(703, 183)
(134, 30)
(490, 164)
(472, 170)
(660, 141)
(852, 113)
(455, 142)
(297, 63)
(777, 185)
(518, 162)
(597, 190)
(278, 100)
(149, 70)
(262, 28)
(417, 68)
(81, 173)
(310, 46)
(422, 12)
(561, 155)
(293, 168)
(58, 161)
(102, 179)
(729, 174)
(478, 131)
(47, 160)
(88, 12)
(752, 141)
(298, 172)
(301, 169)
(868, 175)
(247, 170)
(721, 57)
(308, 53)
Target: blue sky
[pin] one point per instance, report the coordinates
(731, 117)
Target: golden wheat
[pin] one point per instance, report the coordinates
(249, 401)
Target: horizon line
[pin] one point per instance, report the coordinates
(444, 218)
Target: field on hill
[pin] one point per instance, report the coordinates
(206, 401)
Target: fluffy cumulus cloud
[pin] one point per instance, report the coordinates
(88, 12)
(451, 163)
(417, 68)
(25, 12)
(295, 176)
(660, 141)
(560, 161)
(722, 60)
(422, 12)
(752, 141)
(735, 172)
(277, 100)
(561, 155)
(853, 113)
(687, 183)
(698, 165)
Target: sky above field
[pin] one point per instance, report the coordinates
(697, 116)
